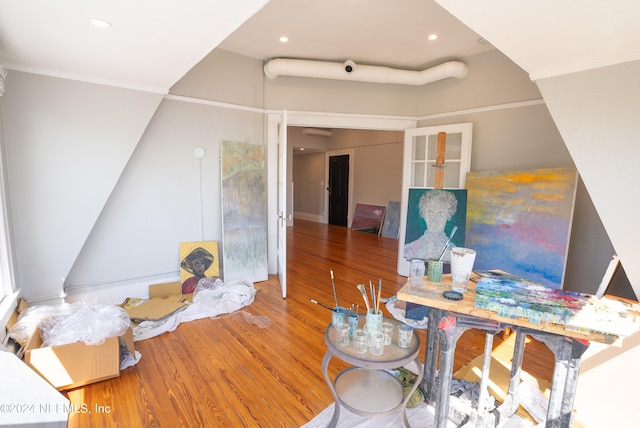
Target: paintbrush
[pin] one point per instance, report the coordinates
(364, 296)
(323, 305)
(379, 294)
(372, 291)
(453, 232)
(333, 285)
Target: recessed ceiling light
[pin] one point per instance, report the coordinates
(432, 37)
(284, 39)
(100, 23)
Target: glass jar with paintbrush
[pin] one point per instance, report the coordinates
(434, 266)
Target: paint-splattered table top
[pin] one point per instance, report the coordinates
(623, 317)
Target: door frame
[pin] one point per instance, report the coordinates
(466, 130)
(328, 154)
(319, 120)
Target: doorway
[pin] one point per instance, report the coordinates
(338, 190)
(330, 120)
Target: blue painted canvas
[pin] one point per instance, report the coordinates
(520, 221)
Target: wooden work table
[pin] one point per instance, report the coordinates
(450, 318)
(430, 294)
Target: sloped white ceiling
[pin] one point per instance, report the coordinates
(549, 38)
(150, 45)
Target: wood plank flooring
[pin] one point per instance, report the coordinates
(234, 372)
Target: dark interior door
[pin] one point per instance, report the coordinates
(338, 189)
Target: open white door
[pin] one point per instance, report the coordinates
(282, 204)
(418, 172)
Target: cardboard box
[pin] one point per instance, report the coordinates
(76, 364)
(155, 309)
(165, 290)
(164, 300)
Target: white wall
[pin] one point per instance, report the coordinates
(90, 209)
(336, 96)
(525, 137)
(308, 186)
(164, 196)
(376, 167)
(600, 404)
(597, 114)
(66, 144)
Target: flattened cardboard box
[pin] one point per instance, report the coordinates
(168, 289)
(155, 309)
(164, 300)
(76, 364)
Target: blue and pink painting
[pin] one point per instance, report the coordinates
(520, 221)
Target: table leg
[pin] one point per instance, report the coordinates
(336, 400)
(405, 421)
(510, 405)
(567, 352)
(448, 337)
(562, 353)
(480, 417)
(429, 385)
(578, 348)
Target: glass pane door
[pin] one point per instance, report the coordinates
(419, 167)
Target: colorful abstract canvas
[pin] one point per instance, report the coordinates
(244, 212)
(520, 221)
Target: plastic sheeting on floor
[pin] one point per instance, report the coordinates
(420, 416)
(210, 299)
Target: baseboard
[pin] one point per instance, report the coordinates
(116, 293)
(318, 218)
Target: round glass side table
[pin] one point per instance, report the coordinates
(367, 388)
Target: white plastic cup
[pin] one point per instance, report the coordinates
(462, 260)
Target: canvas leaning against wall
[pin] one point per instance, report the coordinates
(432, 217)
(244, 212)
(197, 260)
(520, 221)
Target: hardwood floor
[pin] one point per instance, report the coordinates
(231, 372)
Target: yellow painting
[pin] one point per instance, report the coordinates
(197, 260)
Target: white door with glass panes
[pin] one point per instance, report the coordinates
(420, 149)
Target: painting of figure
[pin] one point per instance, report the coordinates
(433, 217)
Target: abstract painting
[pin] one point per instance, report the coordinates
(391, 223)
(244, 212)
(520, 221)
(434, 216)
(368, 218)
